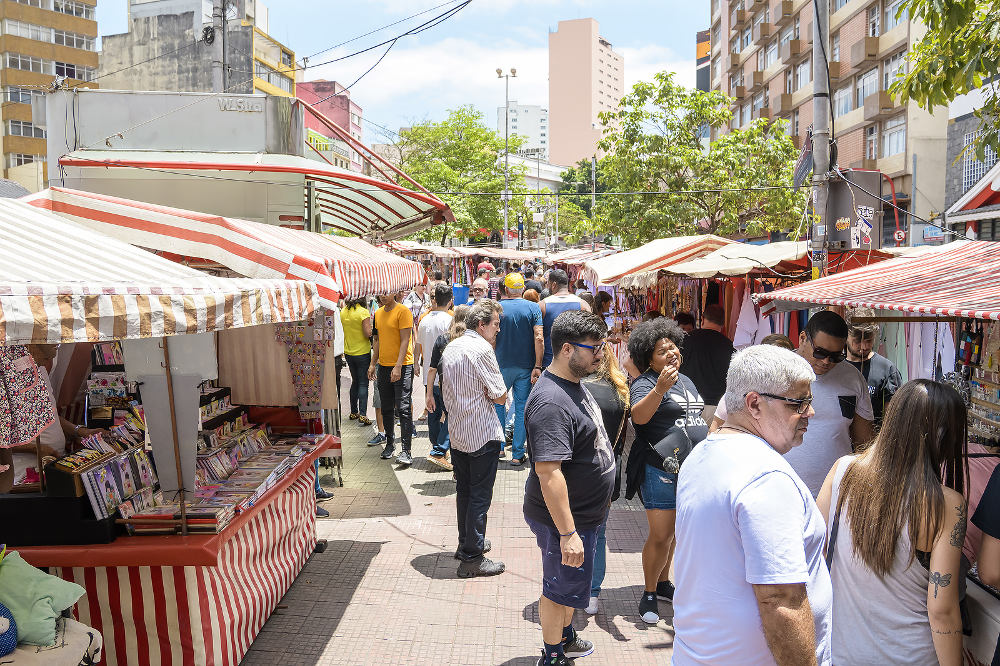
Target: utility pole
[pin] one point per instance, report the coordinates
(821, 138)
(506, 148)
(913, 204)
(218, 50)
(593, 203)
(225, 55)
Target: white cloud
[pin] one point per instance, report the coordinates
(642, 62)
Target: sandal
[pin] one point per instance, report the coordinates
(364, 420)
(354, 416)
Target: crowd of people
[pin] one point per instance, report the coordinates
(803, 504)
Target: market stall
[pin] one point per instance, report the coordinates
(185, 598)
(940, 311)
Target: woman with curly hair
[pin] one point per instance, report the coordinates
(667, 414)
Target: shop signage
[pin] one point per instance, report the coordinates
(244, 104)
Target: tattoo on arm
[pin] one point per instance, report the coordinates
(958, 531)
(949, 632)
(939, 581)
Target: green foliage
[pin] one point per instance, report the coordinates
(460, 155)
(653, 145)
(959, 53)
(580, 194)
(574, 222)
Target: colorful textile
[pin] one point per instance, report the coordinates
(26, 404)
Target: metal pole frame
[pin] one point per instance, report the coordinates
(506, 156)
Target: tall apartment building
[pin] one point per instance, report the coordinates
(41, 41)
(334, 101)
(586, 77)
(531, 122)
(164, 50)
(703, 55)
(762, 57)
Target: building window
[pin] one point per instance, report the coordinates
(20, 159)
(772, 53)
(734, 45)
(786, 36)
(974, 169)
(893, 67)
(43, 4)
(894, 136)
(892, 8)
(24, 128)
(835, 48)
(17, 95)
(716, 68)
(28, 63)
(747, 38)
(76, 40)
(286, 59)
(74, 8)
(873, 20)
(355, 118)
(270, 75)
(71, 71)
(837, 5)
(716, 34)
(760, 60)
(793, 124)
(803, 74)
(789, 81)
(842, 102)
(871, 142)
(27, 30)
(867, 85)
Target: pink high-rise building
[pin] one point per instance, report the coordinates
(336, 105)
(586, 77)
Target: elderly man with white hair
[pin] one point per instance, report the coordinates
(752, 584)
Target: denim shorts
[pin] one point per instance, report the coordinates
(567, 586)
(659, 489)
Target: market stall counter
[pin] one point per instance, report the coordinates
(196, 599)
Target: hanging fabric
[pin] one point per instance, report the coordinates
(26, 405)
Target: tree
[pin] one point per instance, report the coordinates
(740, 183)
(580, 194)
(458, 157)
(958, 54)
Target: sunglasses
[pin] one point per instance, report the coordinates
(801, 404)
(820, 354)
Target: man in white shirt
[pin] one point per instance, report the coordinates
(433, 324)
(417, 301)
(471, 385)
(752, 583)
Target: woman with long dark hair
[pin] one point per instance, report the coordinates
(357, 322)
(897, 522)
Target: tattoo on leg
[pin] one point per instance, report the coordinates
(939, 581)
(958, 531)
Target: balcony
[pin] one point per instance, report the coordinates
(734, 61)
(737, 92)
(878, 104)
(736, 19)
(782, 104)
(763, 112)
(783, 14)
(762, 32)
(836, 71)
(796, 141)
(754, 81)
(866, 163)
(756, 4)
(792, 50)
(864, 51)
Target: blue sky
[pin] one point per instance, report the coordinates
(454, 63)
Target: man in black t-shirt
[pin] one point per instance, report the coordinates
(568, 491)
(987, 518)
(882, 376)
(530, 282)
(706, 354)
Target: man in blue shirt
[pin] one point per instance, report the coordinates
(519, 355)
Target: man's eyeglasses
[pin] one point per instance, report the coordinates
(594, 348)
(820, 354)
(801, 404)
(477, 290)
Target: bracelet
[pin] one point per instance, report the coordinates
(571, 533)
(656, 392)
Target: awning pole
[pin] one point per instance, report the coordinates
(173, 430)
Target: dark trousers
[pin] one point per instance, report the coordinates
(475, 474)
(434, 418)
(338, 368)
(358, 393)
(396, 403)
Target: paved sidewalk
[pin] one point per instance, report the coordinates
(386, 591)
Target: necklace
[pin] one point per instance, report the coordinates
(739, 429)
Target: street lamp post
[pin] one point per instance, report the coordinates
(506, 147)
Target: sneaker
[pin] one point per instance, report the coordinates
(323, 495)
(665, 590)
(591, 608)
(481, 567)
(387, 452)
(577, 647)
(353, 416)
(404, 458)
(364, 421)
(554, 660)
(376, 440)
(648, 608)
(502, 454)
(422, 417)
(487, 546)
(441, 461)
(322, 513)
(517, 462)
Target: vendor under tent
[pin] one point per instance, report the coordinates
(656, 254)
(340, 266)
(193, 598)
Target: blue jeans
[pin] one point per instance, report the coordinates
(519, 381)
(436, 429)
(600, 561)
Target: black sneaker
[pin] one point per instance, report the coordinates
(554, 660)
(387, 452)
(481, 567)
(665, 590)
(322, 513)
(377, 439)
(649, 610)
(323, 495)
(404, 458)
(577, 647)
(487, 546)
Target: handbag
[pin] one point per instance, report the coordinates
(677, 444)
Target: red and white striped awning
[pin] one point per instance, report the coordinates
(961, 279)
(578, 256)
(414, 248)
(652, 256)
(61, 282)
(340, 266)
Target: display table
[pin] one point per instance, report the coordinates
(198, 599)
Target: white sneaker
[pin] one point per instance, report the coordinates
(591, 608)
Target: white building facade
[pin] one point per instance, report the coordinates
(530, 121)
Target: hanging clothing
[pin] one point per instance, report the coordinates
(747, 324)
(26, 403)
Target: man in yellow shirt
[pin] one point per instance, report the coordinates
(392, 369)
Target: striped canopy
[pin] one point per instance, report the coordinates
(578, 256)
(340, 266)
(961, 279)
(652, 256)
(61, 282)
